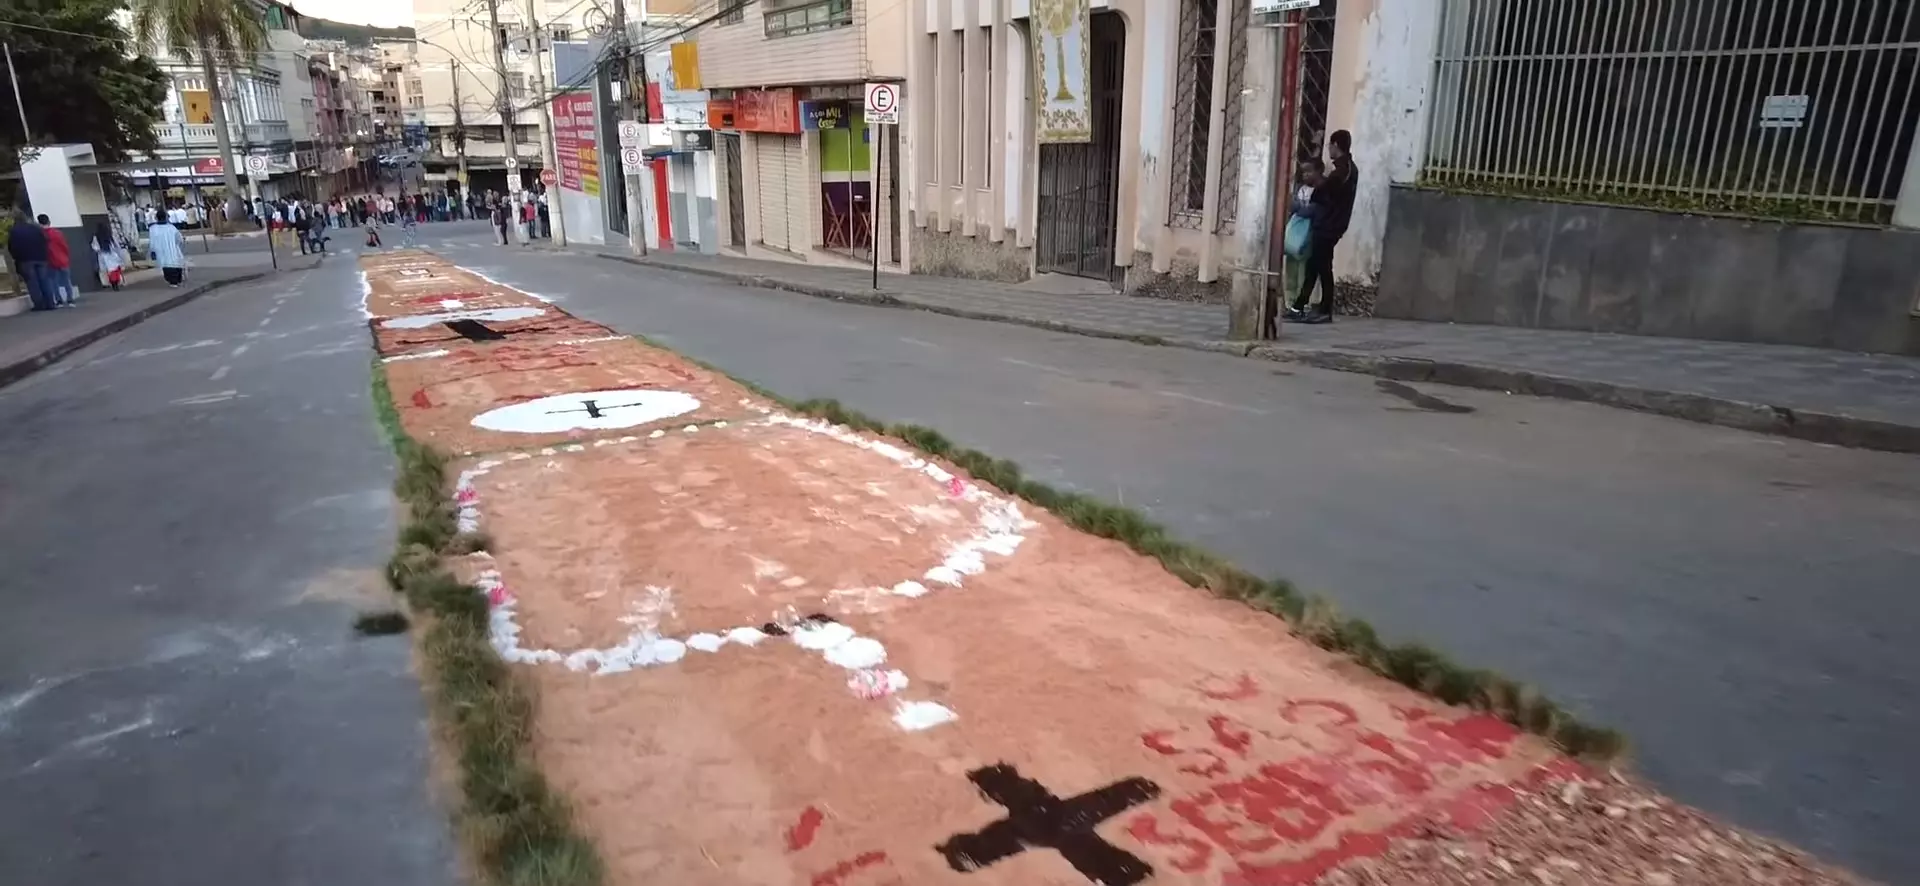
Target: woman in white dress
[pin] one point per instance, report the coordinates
(106, 255)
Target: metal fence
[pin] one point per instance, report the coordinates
(1800, 109)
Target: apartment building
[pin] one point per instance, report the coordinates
(799, 173)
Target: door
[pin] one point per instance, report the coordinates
(1079, 184)
(736, 196)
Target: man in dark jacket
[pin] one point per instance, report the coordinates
(27, 246)
(1330, 211)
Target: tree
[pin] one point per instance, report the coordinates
(214, 33)
(81, 80)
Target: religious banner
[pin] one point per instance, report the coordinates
(1060, 63)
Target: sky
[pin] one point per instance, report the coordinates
(383, 13)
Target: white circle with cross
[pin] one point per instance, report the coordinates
(587, 411)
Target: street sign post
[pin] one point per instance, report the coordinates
(630, 157)
(883, 103)
(547, 177)
(632, 133)
(883, 109)
(256, 167)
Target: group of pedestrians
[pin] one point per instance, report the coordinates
(44, 260)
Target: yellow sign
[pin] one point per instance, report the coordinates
(199, 107)
(686, 66)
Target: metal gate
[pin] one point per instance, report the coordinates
(1080, 183)
(736, 199)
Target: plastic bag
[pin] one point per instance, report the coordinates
(1299, 236)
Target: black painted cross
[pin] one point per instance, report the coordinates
(592, 409)
(474, 330)
(1035, 817)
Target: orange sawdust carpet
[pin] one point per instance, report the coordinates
(767, 650)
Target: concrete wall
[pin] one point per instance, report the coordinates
(1509, 262)
(1383, 52)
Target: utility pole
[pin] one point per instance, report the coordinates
(548, 154)
(507, 115)
(459, 128)
(632, 182)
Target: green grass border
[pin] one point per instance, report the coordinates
(515, 826)
(1414, 665)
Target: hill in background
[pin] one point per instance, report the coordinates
(314, 28)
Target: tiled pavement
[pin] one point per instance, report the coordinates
(1870, 400)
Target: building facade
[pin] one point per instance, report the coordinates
(1147, 203)
(797, 173)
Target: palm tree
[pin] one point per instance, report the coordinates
(214, 32)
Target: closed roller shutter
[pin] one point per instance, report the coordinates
(776, 159)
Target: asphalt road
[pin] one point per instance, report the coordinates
(190, 512)
(1741, 605)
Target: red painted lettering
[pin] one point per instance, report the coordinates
(1146, 829)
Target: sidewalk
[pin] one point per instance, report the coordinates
(30, 341)
(1869, 401)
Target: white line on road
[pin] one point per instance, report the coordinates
(1192, 399)
(265, 320)
(924, 344)
(1040, 366)
(202, 399)
(242, 349)
(220, 373)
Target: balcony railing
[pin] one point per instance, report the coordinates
(207, 134)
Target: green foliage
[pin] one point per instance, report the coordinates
(517, 829)
(84, 86)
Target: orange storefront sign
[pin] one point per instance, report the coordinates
(756, 110)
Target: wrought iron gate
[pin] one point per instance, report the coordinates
(736, 200)
(1080, 183)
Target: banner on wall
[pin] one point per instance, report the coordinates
(1060, 63)
(575, 147)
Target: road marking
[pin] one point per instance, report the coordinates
(202, 399)
(148, 352)
(220, 373)
(1040, 366)
(242, 349)
(265, 320)
(1202, 400)
(924, 344)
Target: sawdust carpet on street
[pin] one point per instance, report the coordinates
(769, 650)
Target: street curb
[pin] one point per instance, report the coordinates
(20, 369)
(1784, 421)
(1810, 425)
(883, 299)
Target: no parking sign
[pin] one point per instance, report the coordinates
(883, 103)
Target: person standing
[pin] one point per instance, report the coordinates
(1329, 210)
(27, 246)
(60, 286)
(168, 248)
(106, 255)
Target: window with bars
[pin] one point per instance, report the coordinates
(735, 12)
(786, 18)
(1193, 135)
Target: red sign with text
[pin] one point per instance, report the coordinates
(575, 146)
